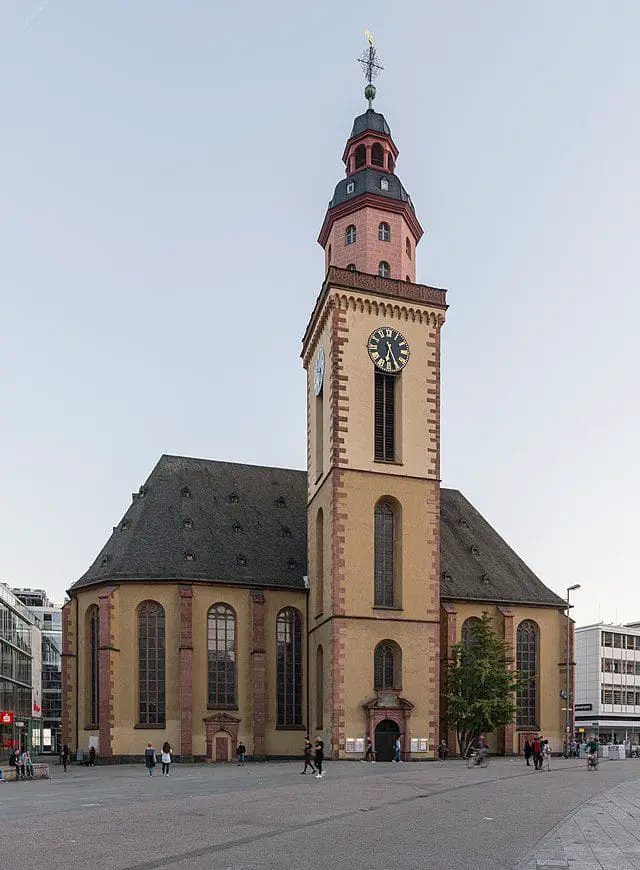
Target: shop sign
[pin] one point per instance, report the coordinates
(6, 718)
(19, 724)
(582, 708)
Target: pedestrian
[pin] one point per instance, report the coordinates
(370, 754)
(21, 767)
(536, 748)
(92, 756)
(64, 756)
(443, 750)
(397, 751)
(241, 751)
(574, 748)
(546, 755)
(150, 758)
(528, 752)
(28, 767)
(319, 757)
(166, 757)
(2, 779)
(308, 749)
(12, 760)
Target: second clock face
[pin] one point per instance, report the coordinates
(388, 349)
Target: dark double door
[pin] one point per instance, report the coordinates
(387, 732)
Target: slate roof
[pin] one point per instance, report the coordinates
(370, 120)
(368, 181)
(242, 524)
(246, 525)
(477, 564)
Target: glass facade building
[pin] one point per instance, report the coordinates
(20, 675)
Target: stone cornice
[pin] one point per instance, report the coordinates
(369, 200)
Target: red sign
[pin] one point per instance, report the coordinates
(6, 718)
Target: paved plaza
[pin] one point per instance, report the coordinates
(429, 816)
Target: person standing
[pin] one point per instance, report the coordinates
(92, 756)
(29, 769)
(528, 752)
(150, 758)
(536, 748)
(21, 770)
(166, 757)
(370, 754)
(443, 750)
(308, 749)
(319, 757)
(546, 755)
(397, 751)
(64, 756)
(241, 752)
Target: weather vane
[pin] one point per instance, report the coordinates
(371, 68)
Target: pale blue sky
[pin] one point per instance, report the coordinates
(166, 169)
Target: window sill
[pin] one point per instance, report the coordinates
(388, 461)
(387, 607)
(94, 727)
(222, 707)
(291, 727)
(140, 727)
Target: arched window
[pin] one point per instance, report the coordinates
(151, 656)
(384, 232)
(351, 267)
(93, 671)
(467, 630)
(221, 647)
(527, 667)
(383, 546)
(319, 688)
(384, 184)
(361, 156)
(383, 269)
(329, 256)
(387, 666)
(377, 155)
(289, 667)
(390, 163)
(408, 279)
(407, 245)
(350, 235)
(319, 561)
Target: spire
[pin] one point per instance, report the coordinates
(371, 68)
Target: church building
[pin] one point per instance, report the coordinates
(236, 602)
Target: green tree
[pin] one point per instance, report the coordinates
(480, 685)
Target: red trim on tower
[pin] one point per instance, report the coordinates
(370, 200)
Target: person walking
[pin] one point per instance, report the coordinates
(241, 751)
(370, 754)
(319, 757)
(308, 749)
(443, 750)
(64, 756)
(166, 757)
(92, 756)
(150, 758)
(536, 749)
(528, 752)
(546, 755)
(397, 751)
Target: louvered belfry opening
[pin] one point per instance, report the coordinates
(384, 586)
(385, 417)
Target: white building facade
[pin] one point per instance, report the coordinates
(607, 694)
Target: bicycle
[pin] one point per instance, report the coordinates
(592, 761)
(476, 758)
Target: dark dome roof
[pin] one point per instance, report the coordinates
(370, 120)
(368, 181)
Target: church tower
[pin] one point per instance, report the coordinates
(371, 351)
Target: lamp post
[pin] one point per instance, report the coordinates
(568, 697)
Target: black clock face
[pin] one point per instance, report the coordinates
(388, 349)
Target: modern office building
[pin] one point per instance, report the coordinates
(50, 615)
(607, 701)
(20, 675)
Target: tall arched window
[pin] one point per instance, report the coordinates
(383, 269)
(527, 667)
(377, 155)
(387, 666)
(361, 156)
(319, 688)
(467, 630)
(350, 235)
(384, 232)
(93, 671)
(407, 245)
(319, 561)
(289, 667)
(151, 659)
(383, 547)
(221, 647)
(328, 256)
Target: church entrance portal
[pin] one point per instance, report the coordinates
(387, 732)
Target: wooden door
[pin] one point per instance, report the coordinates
(222, 749)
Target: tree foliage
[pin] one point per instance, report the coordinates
(480, 685)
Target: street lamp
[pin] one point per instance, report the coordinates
(569, 699)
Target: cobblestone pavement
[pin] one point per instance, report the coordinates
(268, 817)
(603, 834)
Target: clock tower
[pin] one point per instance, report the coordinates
(372, 355)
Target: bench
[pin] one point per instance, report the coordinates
(41, 771)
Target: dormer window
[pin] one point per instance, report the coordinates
(384, 184)
(350, 235)
(350, 187)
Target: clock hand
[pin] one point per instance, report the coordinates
(393, 357)
(386, 359)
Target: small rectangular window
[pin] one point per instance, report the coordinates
(350, 187)
(384, 417)
(607, 638)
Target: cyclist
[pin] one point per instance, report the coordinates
(592, 748)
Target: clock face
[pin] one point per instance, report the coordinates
(388, 349)
(318, 372)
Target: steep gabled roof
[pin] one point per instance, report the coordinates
(477, 563)
(218, 521)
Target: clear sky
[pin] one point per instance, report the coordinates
(166, 166)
